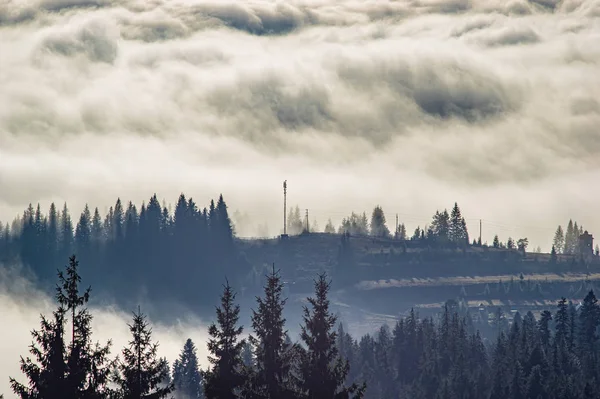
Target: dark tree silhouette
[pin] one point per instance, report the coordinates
(187, 378)
(323, 372)
(272, 378)
(378, 226)
(79, 370)
(226, 377)
(141, 374)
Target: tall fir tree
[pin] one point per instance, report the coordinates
(273, 377)
(456, 231)
(66, 233)
(187, 377)
(226, 377)
(323, 372)
(559, 240)
(78, 370)
(378, 223)
(47, 374)
(140, 375)
(87, 364)
(569, 245)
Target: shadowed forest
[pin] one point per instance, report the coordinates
(552, 356)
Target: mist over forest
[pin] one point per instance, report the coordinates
(440, 158)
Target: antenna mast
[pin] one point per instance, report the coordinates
(285, 207)
(307, 227)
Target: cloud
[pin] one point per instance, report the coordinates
(354, 102)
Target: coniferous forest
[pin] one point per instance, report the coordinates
(454, 354)
(185, 252)
(181, 253)
(555, 355)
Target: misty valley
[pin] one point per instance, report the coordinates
(436, 242)
(357, 310)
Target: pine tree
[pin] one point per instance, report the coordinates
(79, 370)
(544, 328)
(589, 320)
(496, 242)
(329, 228)
(52, 237)
(88, 368)
(187, 378)
(141, 373)
(562, 323)
(83, 233)
(510, 244)
(522, 244)
(378, 226)
(272, 378)
(48, 373)
(323, 372)
(575, 238)
(97, 228)
(569, 246)
(66, 233)
(457, 228)
(440, 227)
(226, 378)
(166, 373)
(535, 384)
(559, 239)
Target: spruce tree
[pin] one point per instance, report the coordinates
(47, 374)
(88, 368)
(378, 226)
(272, 378)
(323, 372)
(496, 242)
(76, 371)
(569, 243)
(455, 232)
(187, 378)
(226, 378)
(140, 373)
(559, 239)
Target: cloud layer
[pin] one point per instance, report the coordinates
(410, 104)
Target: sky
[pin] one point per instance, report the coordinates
(411, 105)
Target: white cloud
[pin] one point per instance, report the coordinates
(409, 104)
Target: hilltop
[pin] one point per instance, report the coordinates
(303, 255)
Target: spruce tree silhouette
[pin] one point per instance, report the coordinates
(323, 372)
(187, 377)
(76, 371)
(272, 377)
(141, 373)
(226, 378)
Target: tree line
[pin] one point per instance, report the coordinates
(147, 246)
(66, 363)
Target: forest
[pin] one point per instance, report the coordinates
(185, 253)
(452, 355)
